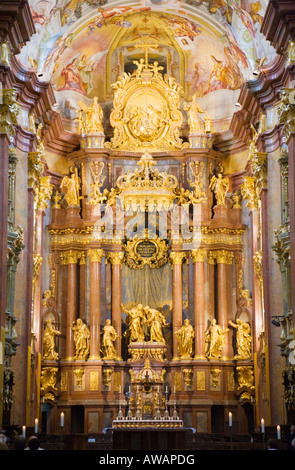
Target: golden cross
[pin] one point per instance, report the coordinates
(147, 47)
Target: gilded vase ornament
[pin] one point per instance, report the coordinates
(155, 320)
(185, 338)
(49, 341)
(243, 339)
(214, 339)
(81, 339)
(220, 185)
(108, 339)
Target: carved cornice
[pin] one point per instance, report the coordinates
(279, 23)
(16, 23)
(258, 95)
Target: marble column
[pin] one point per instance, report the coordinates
(176, 258)
(116, 260)
(70, 258)
(223, 258)
(96, 257)
(198, 257)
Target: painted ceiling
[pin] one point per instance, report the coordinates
(209, 46)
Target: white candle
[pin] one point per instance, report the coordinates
(119, 388)
(230, 419)
(166, 389)
(278, 432)
(262, 425)
(36, 426)
(174, 389)
(129, 389)
(62, 419)
(24, 431)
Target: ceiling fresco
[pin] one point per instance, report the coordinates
(209, 46)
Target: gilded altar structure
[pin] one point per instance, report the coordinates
(131, 222)
(147, 216)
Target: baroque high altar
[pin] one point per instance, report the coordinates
(147, 319)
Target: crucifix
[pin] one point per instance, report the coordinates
(146, 48)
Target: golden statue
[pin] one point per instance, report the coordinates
(155, 320)
(91, 123)
(108, 339)
(4, 54)
(72, 186)
(94, 116)
(140, 67)
(134, 320)
(193, 115)
(185, 337)
(48, 341)
(243, 339)
(214, 339)
(81, 339)
(155, 68)
(220, 186)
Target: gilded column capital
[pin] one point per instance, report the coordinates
(198, 254)
(69, 257)
(224, 257)
(115, 257)
(82, 257)
(178, 257)
(95, 255)
(211, 257)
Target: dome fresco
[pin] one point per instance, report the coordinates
(209, 47)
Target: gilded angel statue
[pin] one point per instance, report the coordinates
(220, 186)
(72, 187)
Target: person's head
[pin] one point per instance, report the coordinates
(292, 429)
(20, 443)
(272, 444)
(3, 445)
(34, 443)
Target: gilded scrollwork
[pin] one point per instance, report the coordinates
(140, 252)
(146, 112)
